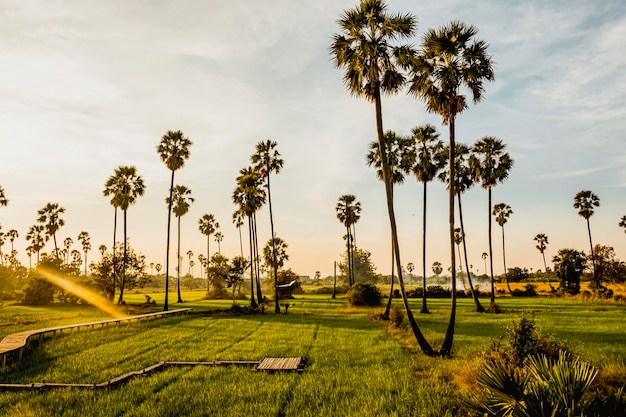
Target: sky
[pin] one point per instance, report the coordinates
(88, 86)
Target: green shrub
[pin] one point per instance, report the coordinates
(396, 316)
(364, 295)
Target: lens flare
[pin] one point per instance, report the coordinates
(91, 297)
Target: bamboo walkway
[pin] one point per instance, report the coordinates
(13, 346)
(266, 364)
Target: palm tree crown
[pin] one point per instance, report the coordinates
(502, 212)
(622, 223)
(50, 217)
(181, 200)
(490, 163)
(174, 149)
(400, 156)
(3, 199)
(348, 210)
(585, 201)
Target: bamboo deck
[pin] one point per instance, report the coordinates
(281, 364)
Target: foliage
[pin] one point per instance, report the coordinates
(281, 255)
(396, 316)
(102, 271)
(608, 267)
(517, 274)
(569, 265)
(218, 273)
(364, 295)
(363, 267)
(291, 282)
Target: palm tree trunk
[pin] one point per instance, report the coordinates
(259, 294)
(56, 249)
(506, 275)
(335, 281)
(85, 263)
(492, 301)
(348, 262)
(240, 241)
(458, 249)
(421, 340)
(479, 307)
(596, 279)
(424, 309)
(121, 299)
(446, 346)
(269, 200)
(180, 300)
(253, 303)
(208, 261)
(167, 250)
(113, 255)
(386, 314)
(545, 270)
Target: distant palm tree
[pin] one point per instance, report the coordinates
(238, 222)
(37, 238)
(208, 225)
(622, 223)
(490, 164)
(67, 244)
(85, 241)
(250, 197)
(267, 160)
(12, 235)
(451, 59)
(29, 252)
(218, 239)
(158, 268)
(280, 246)
(102, 249)
(50, 218)
(365, 48)
(585, 201)
(174, 151)
(484, 255)
(458, 239)
(180, 203)
(201, 259)
(2, 241)
(126, 186)
(437, 269)
(542, 242)
(190, 255)
(348, 212)
(3, 199)
(428, 163)
(502, 212)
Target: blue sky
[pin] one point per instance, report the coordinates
(88, 86)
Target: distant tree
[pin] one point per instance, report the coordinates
(50, 218)
(238, 222)
(180, 203)
(348, 211)
(437, 269)
(67, 243)
(569, 265)
(363, 267)
(208, 225)
(584, 202)
(622, 223)
(158, 268)
(484, 256)
(267, 160)
(608, 267)
(542, 242)
(12, 235)
(37, 237)
(190, 256)
(238, 266)
(2, 242)
(502, 212)
(275, 254)
(218, 273)
(490, 164)
(85, 241)
(111, 265)
(459, 237)
(218, 239)
(3, 199)
(202, 260)
(102, 249)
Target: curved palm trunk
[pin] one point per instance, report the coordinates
(458, 249)
(492, 301)
(253, 303)
(56, 249)
(545, 270)
(596, 279)
(259, 294)
(386, 314)
(421, 340)
(506, 275)
(446, 346)
(180, 300)
(269, 200)
(424, 309)
(121, 299)
(112, 295)
(208, 262)
(479, 307)
(167, 253)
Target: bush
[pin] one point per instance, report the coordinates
(396, 317)
(38, 292)
(364, 295)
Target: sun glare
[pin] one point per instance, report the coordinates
(79, 291)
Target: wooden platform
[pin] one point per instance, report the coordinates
(281, 364)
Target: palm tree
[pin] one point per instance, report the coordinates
(622, 223)
(218, 239)
(102, 249)
(180, 203)
(3, 199)
(542, 242)
(190, 255)
(366, 50)
(67, 244)
(12, 235)
(490, 164)
(201, 260)
(29, 252)
(585, 201)
(348, 212)
(173, 151)
(502, 212)
(238, 222)
(437, 269)
(463, 183)
(267, 160)
(50, 218)
(428, 163)
(208, 225)
(269, 257)
(450, 60)
(2, 241)
(400, 158)
(459, 237)
(484, 255)
(250, 197)
(37, 238)
(85, 241)
(126, 186)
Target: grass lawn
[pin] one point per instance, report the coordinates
(355, 365)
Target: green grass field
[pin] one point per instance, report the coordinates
(356, 367)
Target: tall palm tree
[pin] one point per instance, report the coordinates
(367, 49)
(50, 218)
(37, 237)
(490, 164)
(67, 244)
(190, 255)
(208, 225)
(267, 160)
(3, 198)
(622, 223)
(218, 239)
(180, 202)
(238, 222)
(459, 237)
(85, 241)
(126, 186)
(173, 151)
(12, 235)
(502, 212)
(585, 201)
(484, 255)
(250, 197)
(112, 188)
(542, 242)
(428, 163)
(463, 183)
(451, 60)
(400, 158)
(349, 212)
(102, 249)
(201, 259)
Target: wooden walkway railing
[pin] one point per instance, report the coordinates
(14, 344)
